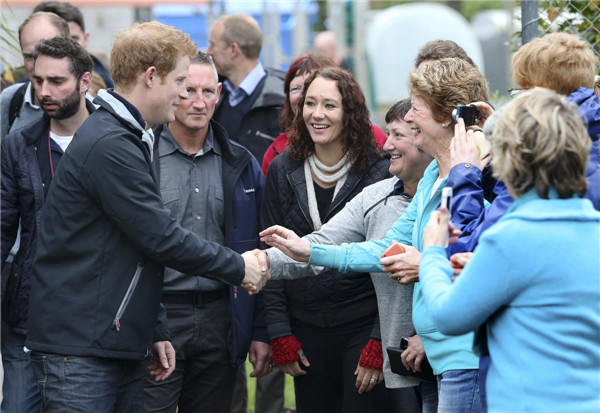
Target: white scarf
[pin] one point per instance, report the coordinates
(313, 164)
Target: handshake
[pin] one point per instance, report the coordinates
(256, 271)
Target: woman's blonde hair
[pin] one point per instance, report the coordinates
(539, 141)
(562, 62)
(445, 83)
(145, 45)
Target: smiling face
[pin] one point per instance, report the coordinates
(407, 161)
(323, 113)
(426, 130)
(195, 112)
(57, 89)
(167, 94)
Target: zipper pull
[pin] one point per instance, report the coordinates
(235, 292)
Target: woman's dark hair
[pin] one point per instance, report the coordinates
(357, 135)
(304, 64)
(398, 111)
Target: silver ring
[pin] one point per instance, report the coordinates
(374, 379)
(302, 356)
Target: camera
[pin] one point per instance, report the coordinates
(470, 114)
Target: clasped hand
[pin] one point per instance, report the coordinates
(256, 272)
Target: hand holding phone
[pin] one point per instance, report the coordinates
(393, 249)
(446, 198)
(446, 202)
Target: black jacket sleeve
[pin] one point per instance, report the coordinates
(119, 177)
(276, 310)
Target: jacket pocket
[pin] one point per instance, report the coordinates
(127, 298)
(10, 301)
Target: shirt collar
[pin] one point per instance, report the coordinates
(249, 83)
(169, 145)
(27, 98)
(399, 189)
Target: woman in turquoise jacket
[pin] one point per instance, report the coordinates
(534, 276)
(436, 88)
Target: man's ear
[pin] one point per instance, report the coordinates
(219, 86)
(85, 82)
(86, 39)
(150, 76)
(235, 50)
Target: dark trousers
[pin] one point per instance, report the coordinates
(204, 375)
(19, 390)
(88, 384)
(330, 385)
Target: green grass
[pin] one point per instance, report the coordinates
(290, 400)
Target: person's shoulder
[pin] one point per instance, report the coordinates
(7, 93)
(284, 162)
(384, 186)
(273, 86)
(275, 73)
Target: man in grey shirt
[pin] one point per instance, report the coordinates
(369, 216)
(213, 187)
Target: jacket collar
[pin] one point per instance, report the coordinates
(122, 111)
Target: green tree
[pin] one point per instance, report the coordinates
(7, 37)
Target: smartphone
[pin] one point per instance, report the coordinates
(393, 249)
(446, 202)
(404, 343)
(470, 114)
(446, 197)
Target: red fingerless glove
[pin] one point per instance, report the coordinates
(371, 356)
(285, 350)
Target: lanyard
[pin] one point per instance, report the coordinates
(50, 155)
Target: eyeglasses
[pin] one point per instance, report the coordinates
(514, 92)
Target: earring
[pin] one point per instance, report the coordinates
(443, 125)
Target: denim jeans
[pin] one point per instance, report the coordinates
(458, 391)
(19, 388)
(428, 393)
(88, 384)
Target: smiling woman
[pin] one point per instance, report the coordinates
(318, 329)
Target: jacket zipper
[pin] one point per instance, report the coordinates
(264, 135)
(127, 298)
(309, 220)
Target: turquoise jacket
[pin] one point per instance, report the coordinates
(534, 280)
(443, 352)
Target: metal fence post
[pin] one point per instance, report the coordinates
(529, 20)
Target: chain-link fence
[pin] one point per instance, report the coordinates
(580, 17)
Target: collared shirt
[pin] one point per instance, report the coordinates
(28, 96)
(191, 187)
(246, 87)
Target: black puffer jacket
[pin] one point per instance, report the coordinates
(332, 298)
(26, 178)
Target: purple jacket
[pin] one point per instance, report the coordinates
(468, 210)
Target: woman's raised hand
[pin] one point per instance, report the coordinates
(287, 242)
